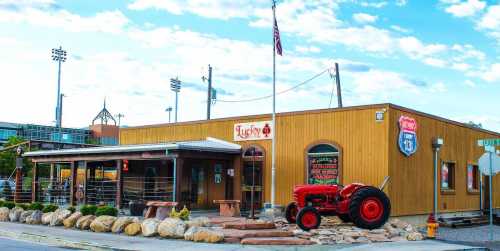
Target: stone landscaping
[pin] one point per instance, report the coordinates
(219, 229)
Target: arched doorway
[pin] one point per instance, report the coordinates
(323, 164)
(252, 175)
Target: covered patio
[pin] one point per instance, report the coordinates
(192, 173)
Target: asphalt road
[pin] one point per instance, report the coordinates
(12, 245)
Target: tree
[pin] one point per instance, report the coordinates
(8, 157)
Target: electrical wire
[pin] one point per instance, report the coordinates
(333, 88)
(277, 93)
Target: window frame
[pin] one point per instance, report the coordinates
(338, 154)
(451, 189)
(478, 178)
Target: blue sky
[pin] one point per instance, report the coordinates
(439, 57)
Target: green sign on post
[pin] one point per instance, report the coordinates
(488, 142)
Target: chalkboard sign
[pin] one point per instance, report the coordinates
(323, 169)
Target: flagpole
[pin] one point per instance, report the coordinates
(273, 151)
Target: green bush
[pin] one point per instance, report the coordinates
(50, 208)
(72, 209)
(1, 203)
(9, 204)
(36, 206)
(24, 206)
(88, 210)
(106, 210)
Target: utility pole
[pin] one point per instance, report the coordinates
(59, 55)
(169, 110)
(120, 116)
(175, 86)
(209, 96)
(337, 79)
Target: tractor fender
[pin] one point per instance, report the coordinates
(350, 189)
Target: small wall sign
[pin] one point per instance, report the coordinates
(261, 130)
(407, 135)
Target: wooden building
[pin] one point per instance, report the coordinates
(353, 144)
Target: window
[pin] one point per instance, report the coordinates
(448, 176)
(323, 164)
(472, 178)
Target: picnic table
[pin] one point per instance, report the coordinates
(159, 209)
(228, 208)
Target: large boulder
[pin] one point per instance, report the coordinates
(46, 218)
(203, 234)
(150, 227)
(198, 222)
(4, 214)
(172, 228)
(35, 217)
(102, 223)
(59, 216)
(133, 229)
(83, 223)
(122, 222)
(71, 220)
(15, 213)
(25, 215)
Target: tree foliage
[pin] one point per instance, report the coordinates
(8, 157)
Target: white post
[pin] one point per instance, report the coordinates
(490, 193)
(273, 127)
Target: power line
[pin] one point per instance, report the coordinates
(277, 93)
(333, 88)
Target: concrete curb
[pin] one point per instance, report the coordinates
(57, 242)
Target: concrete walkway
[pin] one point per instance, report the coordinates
(58, 236)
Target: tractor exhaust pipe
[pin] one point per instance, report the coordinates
(384, 183)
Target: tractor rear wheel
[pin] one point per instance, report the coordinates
(291, 212)
(369, 208)
(344, 217)
(308, 218)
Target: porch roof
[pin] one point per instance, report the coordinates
(208, 145)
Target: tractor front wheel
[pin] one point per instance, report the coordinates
(291, 212)
(369, 208)
(308, 218)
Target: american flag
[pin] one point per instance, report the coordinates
(277, 40)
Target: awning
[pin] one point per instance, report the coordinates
(208, 145)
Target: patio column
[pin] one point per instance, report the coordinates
(178, 162)
(34, 184)
(237, 163)
(119, 184)
(85, 182)
(19, 184)
(72, 184)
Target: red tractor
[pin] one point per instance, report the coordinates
(365, 206)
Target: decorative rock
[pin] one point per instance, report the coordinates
(122, 222)
(133, 229)
(25, 215)
(15, 214)
(150, 227)
(71, 220)
(397, 223)
(35, 217)
(163, 212)
(346, 240)
(102, 223)
(235, 233)
(378, 231)
(83, 223)
(362, 240)
(198, 222)
(172, 228)
(276, 241)
(203, 234)
(4, 214)
(59, 216)
(249, 225)
(377, 237)
(325, 232)
(300, 233)
(46, 218)
(415, 236)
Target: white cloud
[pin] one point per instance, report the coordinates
(466, 9)
(307, 49)
(381, 86)
(401, 2)
(373, 4)
(469, 83)
(399, 29)
(435, 62)
(492, 74)
(364, 18)
(438, 87)
(491, 20)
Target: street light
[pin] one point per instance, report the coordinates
(437, 143)
(175, 86)
(169, 110)
(59, 55)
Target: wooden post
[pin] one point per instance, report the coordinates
(85, 182)
(72, 184)
(119, 184)
(178, 180)
(237, 165)
(34, 184)
(19, 185)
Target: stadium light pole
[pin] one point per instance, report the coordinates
(169, 110)
(175, 86)
(59, 55)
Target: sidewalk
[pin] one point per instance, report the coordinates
(58, 236)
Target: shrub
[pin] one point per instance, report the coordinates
(1, 203)
(24, 206)
(50, 208)
(36, 206)
(9, 204)
(88, 210)
(183, 214)
(72, 209)
(106, 210)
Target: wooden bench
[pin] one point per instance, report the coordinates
(159, 209)
(228, 208)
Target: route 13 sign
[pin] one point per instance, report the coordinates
(407, 135)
